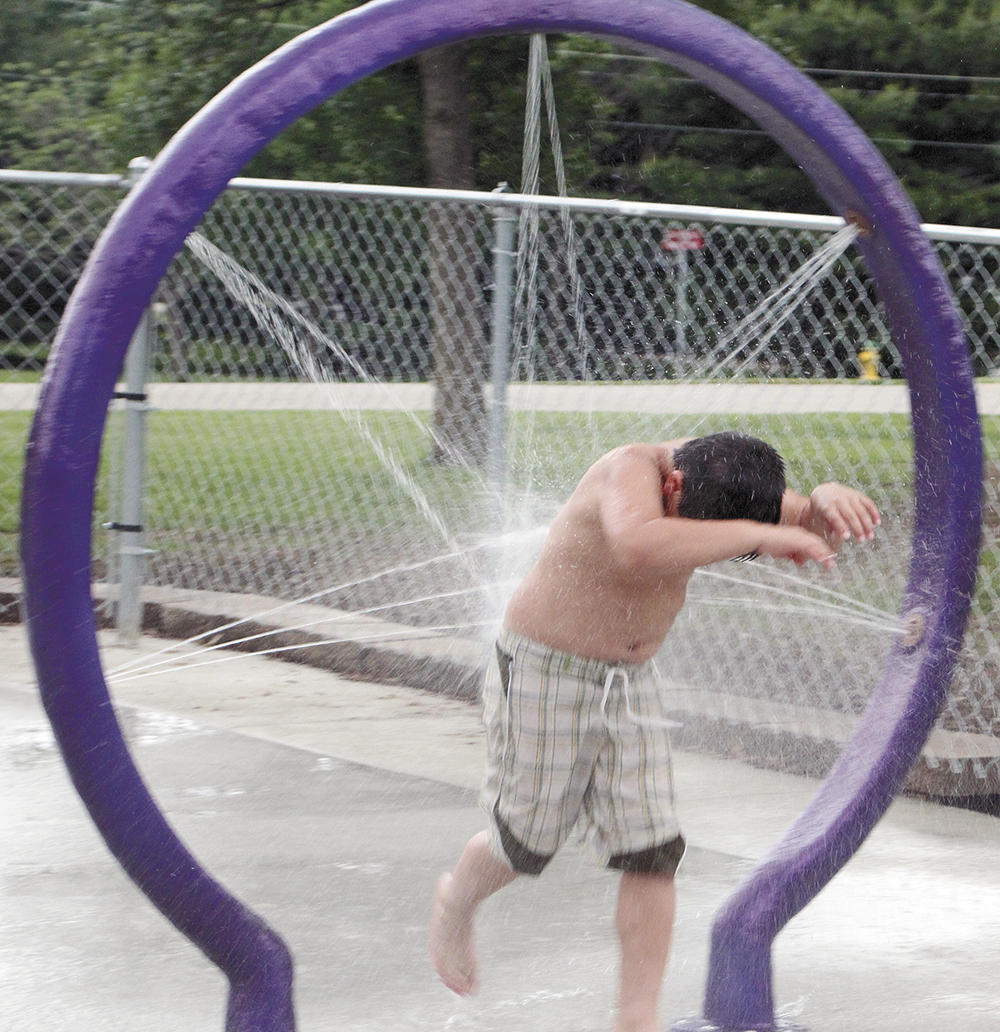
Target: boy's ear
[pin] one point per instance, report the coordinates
(673, 482)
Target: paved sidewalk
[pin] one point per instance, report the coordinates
(684, 398)
(331, 806)
(850, 396)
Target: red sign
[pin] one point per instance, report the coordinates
(683, 240)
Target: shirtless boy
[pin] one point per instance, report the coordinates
(575, 727)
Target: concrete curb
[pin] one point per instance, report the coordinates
(781, 737)
(358, 647)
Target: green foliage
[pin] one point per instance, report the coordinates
(49, 108)
(36, 33)
(49, 122)
(88, 86)
(368, 133)
(682, 177)
(163, 60)
(938, 134)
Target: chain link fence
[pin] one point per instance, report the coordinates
(376, 400)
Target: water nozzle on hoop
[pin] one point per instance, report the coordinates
(863, 223)
(913, 629)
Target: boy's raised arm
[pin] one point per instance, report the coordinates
(648, 543)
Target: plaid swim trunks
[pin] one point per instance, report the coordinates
(573, 739)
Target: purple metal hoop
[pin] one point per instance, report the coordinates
(150, 228)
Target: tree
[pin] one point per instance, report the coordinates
(36, 32)
(459, 361)
(937, 119)
(49, 112)
(121, 76)
(485, 77)
(47, 122)
(919, 76)
(162, 62)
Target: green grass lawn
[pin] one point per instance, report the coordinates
(268, 468)
(13, 435)
(20, 376)
(275, 470)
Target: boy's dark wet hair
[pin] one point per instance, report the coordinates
(730, 476)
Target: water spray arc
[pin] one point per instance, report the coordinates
(151, 227)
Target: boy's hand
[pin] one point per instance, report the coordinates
(837, 513)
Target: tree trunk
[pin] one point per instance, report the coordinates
(457, 320)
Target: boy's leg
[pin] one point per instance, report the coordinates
(644, 921)
(632, 811)
(477, 875)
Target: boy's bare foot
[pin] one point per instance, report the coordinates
(451, 945)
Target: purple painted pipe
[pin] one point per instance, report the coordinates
(149, 229)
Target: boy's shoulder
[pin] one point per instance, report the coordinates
(628, 463)
(637, 452)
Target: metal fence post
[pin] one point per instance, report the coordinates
(503, 278)
(131, 549)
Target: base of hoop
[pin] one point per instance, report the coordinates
(702, 1025)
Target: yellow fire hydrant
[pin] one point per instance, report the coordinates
(868, 360)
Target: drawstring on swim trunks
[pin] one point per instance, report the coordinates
(609, 681)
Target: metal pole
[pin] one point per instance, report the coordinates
(681, 316)
(685, 310)
(132, 550)
(503, 278)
